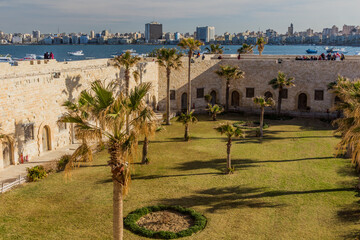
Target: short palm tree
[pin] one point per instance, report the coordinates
(281, 82)
(186, 119)
(260, 43)
(121, 144)
(263, 102)
(191, 45)
(230, 131)
(169, 59)
(229, 73)
(246, 49)
(215, 49)
(214, 110)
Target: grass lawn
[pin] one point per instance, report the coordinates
(289, 186)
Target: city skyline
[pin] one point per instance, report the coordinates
(227, 16)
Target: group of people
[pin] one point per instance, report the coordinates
(329, 57)
(48, 55)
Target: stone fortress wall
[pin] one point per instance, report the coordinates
(310, 76)
(31, 95)
(32, 92)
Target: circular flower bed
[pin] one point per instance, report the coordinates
(152, 221)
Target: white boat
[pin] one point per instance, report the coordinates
(76, 53)
(129, 50)
(29, 57)
(6, 58)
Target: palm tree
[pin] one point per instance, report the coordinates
(122, 145)
(191, 45)
(263, 102)
(245, 49)
(214, 110)
(281, 82)
(230, 131)
(169, 59)
(260, 43)
(229, 73)
(215, 49)
(186, 119)
(147, 125)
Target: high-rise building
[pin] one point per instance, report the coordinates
(177, 36)
(105, 33)
(92, 34)
(153, 31)
(205, 34)
(36, 34)
(291, 30)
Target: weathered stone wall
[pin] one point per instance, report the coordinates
(33, 92)
(309, 76)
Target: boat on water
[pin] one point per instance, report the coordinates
(6, 58)
(76, 53)
(336, 50)
(311, 51)
(129, 50)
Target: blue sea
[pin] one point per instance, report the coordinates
(105, 51)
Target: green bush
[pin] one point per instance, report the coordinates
(130, 222)
(36, 173)
(61, 164)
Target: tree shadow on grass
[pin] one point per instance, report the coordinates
(217, 164)
(216, 199)
(138, 177)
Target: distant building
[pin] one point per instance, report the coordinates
(105, 33)
(291, 30)
(177, 36)
(36, 34)
(92, 34)
(84, 39)
(205, 34)
(153, 31)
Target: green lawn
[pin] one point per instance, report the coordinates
(289, 186)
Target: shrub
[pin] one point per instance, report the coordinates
(61, 164)
(36, 173)
(230, 170)
(130, 222)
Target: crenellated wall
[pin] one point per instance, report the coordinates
(32, 92)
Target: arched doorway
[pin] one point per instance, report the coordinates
(184, 102)
(268, 95)
(46, 144)
(302, 101)
(213, 97)
(235, 99)
(7, 154)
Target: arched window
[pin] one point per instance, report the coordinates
(302, 101)
(235, 99)
(268, 95)
(213, 97)
(7, 154)
(46, 144)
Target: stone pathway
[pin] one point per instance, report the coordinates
(12, 172)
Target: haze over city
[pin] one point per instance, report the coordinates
(182, 16)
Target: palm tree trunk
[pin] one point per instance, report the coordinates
(261, 122)
(145, 151)
(127, 92)
(227, 95)
(279, 102)
(186, 136)
(214, 117)
(72, 133)
(189, 84)
(168, 71)
(228, 158)
(118, 227)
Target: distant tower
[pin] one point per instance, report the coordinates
(205, 34)
(92, 34)
(291, 30)
(153, 31)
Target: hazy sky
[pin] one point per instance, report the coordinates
(175, 15)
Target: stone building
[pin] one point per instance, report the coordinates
(32, 92)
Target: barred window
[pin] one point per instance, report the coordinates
(319, 95)
(250, 92)
(62, 126)
(172, 94)
(199, 92)
(29, 132)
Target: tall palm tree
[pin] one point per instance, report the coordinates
(230, 74)
(246, 49)
(260, 43)
(215, 49)
(263, 102)
(121, 144)
(186, 119)
(127, 61)
(191, 45)
(230, 131)
(169, 59)
(281, 82)
(214, 110)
